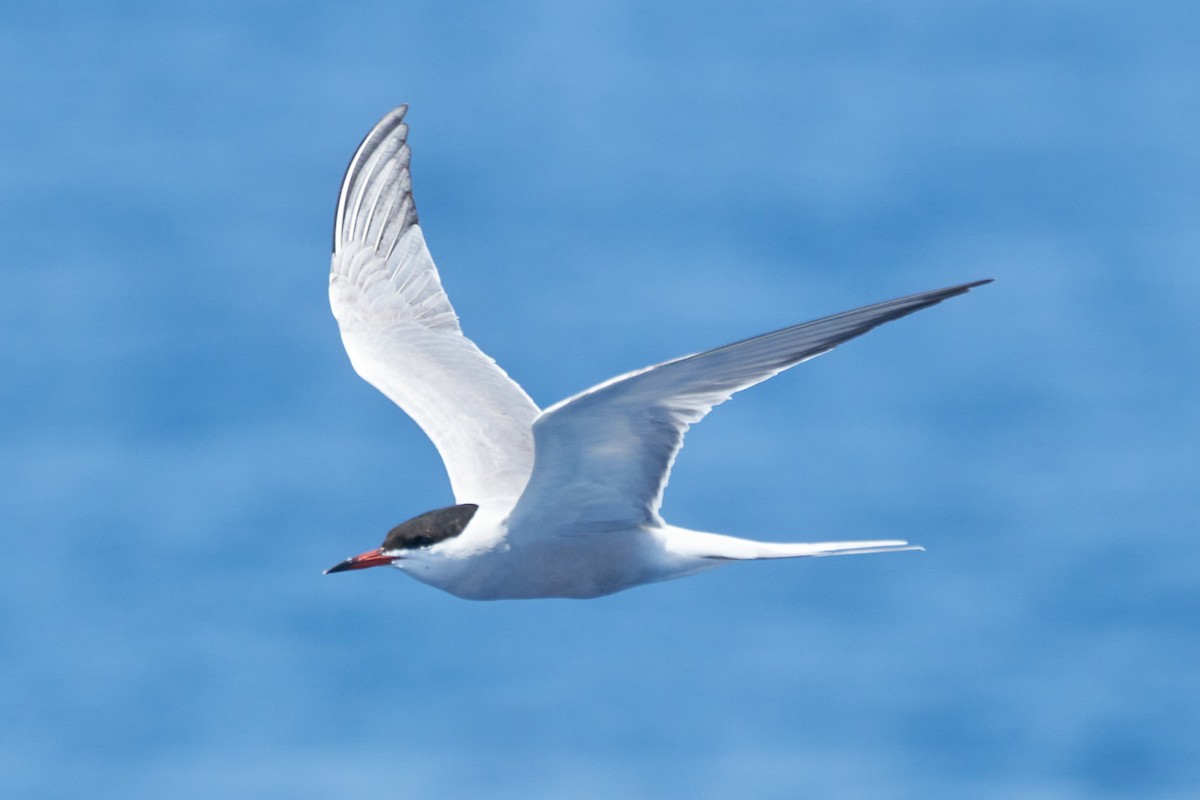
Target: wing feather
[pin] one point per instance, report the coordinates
(403, 336)
(603, 457)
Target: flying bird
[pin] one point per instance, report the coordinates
(555, 502)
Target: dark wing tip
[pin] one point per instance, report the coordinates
(953, 291)
(927, 299)
(389, 125)
(962, 288)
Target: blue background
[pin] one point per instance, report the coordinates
(605, 185)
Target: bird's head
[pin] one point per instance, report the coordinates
(408, 539)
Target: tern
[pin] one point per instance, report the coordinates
(560, 502)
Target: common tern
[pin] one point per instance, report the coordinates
(560, 502)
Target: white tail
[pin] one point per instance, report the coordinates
(814, 549)
(716, 546)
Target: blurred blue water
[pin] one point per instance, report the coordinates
(604, 186)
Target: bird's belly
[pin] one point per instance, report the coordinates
(583, 566)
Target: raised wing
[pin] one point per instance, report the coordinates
(402, 334)
(604, 456)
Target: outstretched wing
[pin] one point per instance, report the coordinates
(603, 457)
(402, 334)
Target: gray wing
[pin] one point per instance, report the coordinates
(403, 336)
(603, 457)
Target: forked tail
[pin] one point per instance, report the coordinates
(814, 549)
(718, 547)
